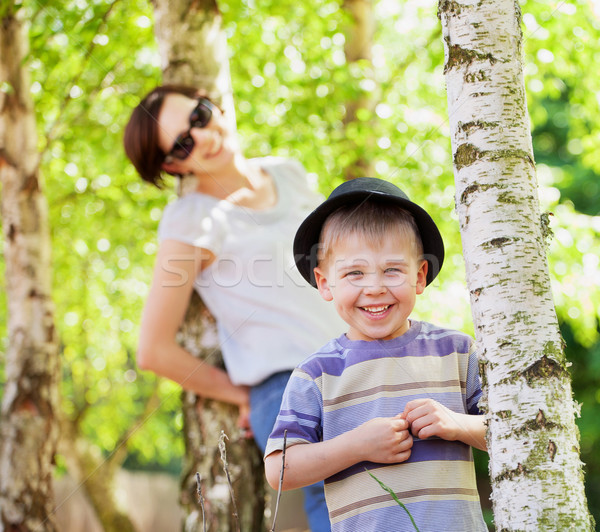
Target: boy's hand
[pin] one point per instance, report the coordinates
(384, 440)
(429, 418)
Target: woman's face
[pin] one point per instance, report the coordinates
(214, 146)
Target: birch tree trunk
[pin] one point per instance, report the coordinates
(193, 50)
(358, 52)
(28, 428)
(535, 469)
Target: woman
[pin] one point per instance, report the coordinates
(231, 240)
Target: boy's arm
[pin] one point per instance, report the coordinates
(429, 418)
(381, 440)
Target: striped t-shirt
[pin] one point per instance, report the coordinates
(347, 383)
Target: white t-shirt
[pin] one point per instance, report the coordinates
(269, 318)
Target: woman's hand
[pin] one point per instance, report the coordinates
(244, 421)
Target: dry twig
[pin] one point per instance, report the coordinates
(280, 488)
(226, 469)
(201, 499)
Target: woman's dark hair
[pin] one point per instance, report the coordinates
(141, 132)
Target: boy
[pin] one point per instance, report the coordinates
(392, 396)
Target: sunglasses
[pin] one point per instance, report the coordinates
(184, 143)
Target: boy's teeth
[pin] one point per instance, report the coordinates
(376, 309)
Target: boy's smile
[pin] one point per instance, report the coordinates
(373, 285)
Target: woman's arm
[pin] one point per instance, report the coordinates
(177, 265)
(381, 440)
(430, 418)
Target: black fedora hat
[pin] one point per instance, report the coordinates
(356, 191)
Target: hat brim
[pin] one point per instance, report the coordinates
(307, 237)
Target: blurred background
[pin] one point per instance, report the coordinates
(91, 61)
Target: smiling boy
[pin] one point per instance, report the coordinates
(393, 396)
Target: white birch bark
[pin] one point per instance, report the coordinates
(28, 428)
(535, 469)
(193, 49)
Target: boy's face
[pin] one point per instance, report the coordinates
(373, 285)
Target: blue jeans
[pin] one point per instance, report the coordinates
(265, 400)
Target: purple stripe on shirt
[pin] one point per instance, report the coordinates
(422, 451)
(421, 345)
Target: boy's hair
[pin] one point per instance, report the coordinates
(373, 220)
(352, 193)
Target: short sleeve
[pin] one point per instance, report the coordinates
(195, 220)
(300, 414)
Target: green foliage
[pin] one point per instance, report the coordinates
(91, 61)
(586, 376)
(566, 110)
(88, 62)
